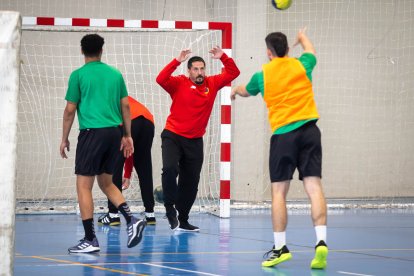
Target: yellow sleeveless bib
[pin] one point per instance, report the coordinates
(287, 92)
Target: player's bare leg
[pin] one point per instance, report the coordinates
(89, 244)
(280, 253)
(279, 211)
(313, 188)
(135, 227)
(84, 185)
(109, 189)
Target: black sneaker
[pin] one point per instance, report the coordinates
(186, 227)
(107, 219)
(150, 218)
(173, 221)
(277, 256)
(135, 231)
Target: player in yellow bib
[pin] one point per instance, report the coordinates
(286, 86)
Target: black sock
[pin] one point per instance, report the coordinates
(124, 209)
(112, 209)
(89, 229)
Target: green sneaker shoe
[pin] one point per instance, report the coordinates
(277, 256)
(321, 252)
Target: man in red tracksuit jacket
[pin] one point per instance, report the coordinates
(182, 139)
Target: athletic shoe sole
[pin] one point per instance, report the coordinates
(89, 249)
(187, 230)
(86, 250)
(110, 224)
(283, 258)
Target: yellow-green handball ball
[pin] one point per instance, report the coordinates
(281, 4)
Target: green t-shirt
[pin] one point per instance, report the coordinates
(97, 89)
(256, 86)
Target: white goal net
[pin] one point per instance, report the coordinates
(362, 82)
(48, 56)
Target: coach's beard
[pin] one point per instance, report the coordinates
(199, 79)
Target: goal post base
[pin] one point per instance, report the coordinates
(223, 211)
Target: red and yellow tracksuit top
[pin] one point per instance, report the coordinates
(192, 103)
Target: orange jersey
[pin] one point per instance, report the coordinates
(138, 109)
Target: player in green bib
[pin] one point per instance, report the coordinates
(97, 93)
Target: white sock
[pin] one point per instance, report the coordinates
(280, 239)
(149, 215)
(320, 233)
(113, 215)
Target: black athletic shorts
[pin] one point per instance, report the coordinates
(300, 148)
(97, 151)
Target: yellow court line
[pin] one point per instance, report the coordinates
(87, 265)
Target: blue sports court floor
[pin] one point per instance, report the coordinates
(361, 242)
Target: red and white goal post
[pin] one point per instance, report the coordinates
(139, 49)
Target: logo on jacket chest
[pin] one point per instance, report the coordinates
(202, 90)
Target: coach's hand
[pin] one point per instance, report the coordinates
(184, 54)
(216, 52)
(64, 145)
(127, 146)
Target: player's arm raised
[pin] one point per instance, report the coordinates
(165, 78)
(304, 41)
(230, 70)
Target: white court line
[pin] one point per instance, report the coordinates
(350, 273)
(179, 269)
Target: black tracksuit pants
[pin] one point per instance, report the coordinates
(182, 157)
(142, 132)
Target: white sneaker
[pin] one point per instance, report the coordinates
(85, 246)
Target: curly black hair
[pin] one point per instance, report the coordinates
(92, 45)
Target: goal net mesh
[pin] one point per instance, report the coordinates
(48, 56)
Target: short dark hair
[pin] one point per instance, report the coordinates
(194, 59)
(92, 45)
(277, 44)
